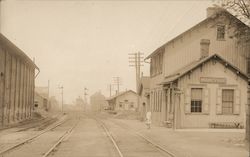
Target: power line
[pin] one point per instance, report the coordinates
(110, 88)
(117, 82)
(85, 98)
(136, 60)
(61, 87)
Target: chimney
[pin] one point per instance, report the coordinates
(204, 44)
(212, 10)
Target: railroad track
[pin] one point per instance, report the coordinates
(146, 139)
(154, 144)
(107, 132)
(63, 137)
(111, 138)
(28, 140)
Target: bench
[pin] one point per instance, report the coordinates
(226, 125)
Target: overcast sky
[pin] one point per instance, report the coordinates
(81, 44)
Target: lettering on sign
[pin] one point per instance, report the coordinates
(213, 80)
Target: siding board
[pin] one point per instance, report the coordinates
(2, 84)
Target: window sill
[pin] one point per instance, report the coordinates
(229, 114)
(221, 39)
(197, 113)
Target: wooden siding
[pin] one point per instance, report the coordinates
(16, 88)
(202, 120)
(184, 50)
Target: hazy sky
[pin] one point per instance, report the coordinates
(81, 44)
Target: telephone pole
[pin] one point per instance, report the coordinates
(136, 60)
(62, 96)
(118, 82)
(48, 105)
(85, 98)
(110, 89)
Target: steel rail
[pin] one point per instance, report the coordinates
(66, 134)
(148, 140)
(31, 138)
(108, 134)
(111, 138)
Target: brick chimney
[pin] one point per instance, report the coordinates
(204, 44)
(212, 10)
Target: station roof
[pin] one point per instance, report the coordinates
(120, 94)
(194, 65)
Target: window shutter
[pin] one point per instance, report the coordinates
(205, 101)
(219, 101)
(236, 107)
(188, 100)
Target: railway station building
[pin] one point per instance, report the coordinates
(199, 78)
(124, 101)
(17, 83)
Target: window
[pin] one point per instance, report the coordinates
(196, 100)
(227, 101)
(156, 64)
(125, 100)
(221, 32)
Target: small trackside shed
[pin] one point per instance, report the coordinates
(17, 83)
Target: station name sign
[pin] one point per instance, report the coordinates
(215, 80)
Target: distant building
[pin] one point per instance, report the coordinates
(41, 99)
(127, 101)
(41, 103)
(79, 103)
(54, 104)
(98, 102)
(144, 92)
(17, 83)
(199, 78)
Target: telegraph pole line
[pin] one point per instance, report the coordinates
(117, 81)
(135, 60)
(48, 105)
(62, 96)
(85, 98)
(110, 89)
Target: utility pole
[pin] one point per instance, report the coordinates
(136, 60)
(62, 96)
(110, 89)
(248, 115)
(117, 81)
(85, 98)
(48, 105)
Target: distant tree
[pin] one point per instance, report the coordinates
(240, 7)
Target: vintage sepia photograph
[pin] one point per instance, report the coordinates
(124, 78)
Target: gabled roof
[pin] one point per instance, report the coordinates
(200, 23)
(13, 49)
(41, 95)
(42, 91)
(194, 65)
(120, 94)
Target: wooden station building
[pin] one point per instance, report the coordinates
(199, 78)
